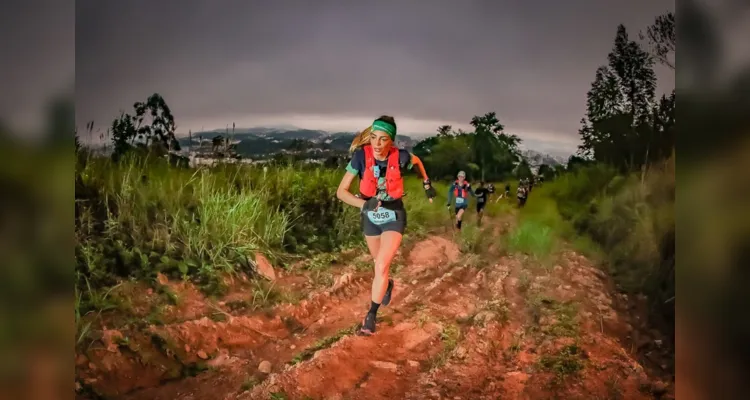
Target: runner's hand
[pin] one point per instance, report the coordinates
(371, 204)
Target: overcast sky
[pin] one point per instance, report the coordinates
(336, 65)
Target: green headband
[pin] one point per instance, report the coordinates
(385, 127)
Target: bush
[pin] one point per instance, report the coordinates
(631, 218)
(140, 216)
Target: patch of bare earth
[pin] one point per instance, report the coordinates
(499, 328)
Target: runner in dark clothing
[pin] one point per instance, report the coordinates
(429, 191)
(483, 197)
(458, 191)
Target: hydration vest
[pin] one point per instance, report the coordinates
(394, 183)
(457, 188)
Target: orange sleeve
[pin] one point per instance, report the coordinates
(416, 161)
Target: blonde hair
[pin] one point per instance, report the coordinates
(361, 139)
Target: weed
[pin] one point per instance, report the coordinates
(249, 383)
(449, 337)
(322, 344)
(524, 281)
(566, 362)
(533, 238)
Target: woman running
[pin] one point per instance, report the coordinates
(379, 166)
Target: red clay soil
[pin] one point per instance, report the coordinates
(501, 328)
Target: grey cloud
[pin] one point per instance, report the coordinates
(530, 61)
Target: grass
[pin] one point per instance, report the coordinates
(139, 216)
(625, 221)
(563, 314)
(449, 337)
(321, 344)
(566, 362)
(532, 238)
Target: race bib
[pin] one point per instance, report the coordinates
(481, 199)
(459, 200)
(382, 216)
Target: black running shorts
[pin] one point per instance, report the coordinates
(370, 228)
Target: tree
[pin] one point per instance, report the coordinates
(523, 170)
(490, 144)
(662, 39)
(152, 125)
(618, 127)
(445, 130)
(546, 171)
(575, 162)
(634, 68)
(449, 155)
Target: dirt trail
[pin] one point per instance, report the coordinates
(459, 326)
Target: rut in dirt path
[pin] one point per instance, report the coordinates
(232, 349)
(460, 326)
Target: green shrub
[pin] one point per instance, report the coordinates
(140, 216)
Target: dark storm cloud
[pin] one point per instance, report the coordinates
(37, 47)
(531, 61)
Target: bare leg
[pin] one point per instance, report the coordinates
(389, 244)
(373, 243)
(458, 217)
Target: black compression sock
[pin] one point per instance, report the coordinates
(374, 307)
(459, 224)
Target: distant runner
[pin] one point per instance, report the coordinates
(459, 190)
(429, 191)
(483, 197)
(379, 166)
(521, 194)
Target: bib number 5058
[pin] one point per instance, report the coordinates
(381, 216)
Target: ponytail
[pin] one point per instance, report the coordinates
(361, 139)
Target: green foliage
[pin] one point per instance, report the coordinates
(533, 238)
(152, 125)
(523, 170)
(631, 218)
(662, 38)
(624, 126)
(486, 153)
(139, 216)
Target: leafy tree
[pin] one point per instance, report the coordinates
(492, 147)
(445, 130)
(575, 162)
(152, 125)
(450, 155)
(487, 152)
(619, 125)
(547, 171)
(523, 170)
(299, 145)
(662, 39)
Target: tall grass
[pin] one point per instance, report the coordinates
(626, 220)
(141, 216)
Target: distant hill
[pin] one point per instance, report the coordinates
(262, 142)
(536, 159)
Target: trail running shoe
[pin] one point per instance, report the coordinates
(368, 325)
(387, 297)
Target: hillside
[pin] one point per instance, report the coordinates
(469, 320)
(262, 142)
